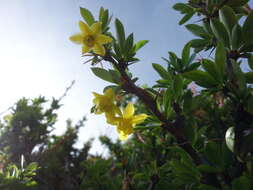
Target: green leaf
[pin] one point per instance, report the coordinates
(220, 31)
(161, 71)
(186, 53)
(242, 182)
(210, 67)
(120, 33)
(236, 38)
(183, 8)
(220, 58)
(117, 50)
(115, 76)
(103, 74)
(167, 97)
(237, 3)
(207, 27)
(214, 154)
(201, 78)
(247, 29)
(208, 169)
(246, 48)
(193, 66)
(206, 187)
(227, 17)
(199, 43)
(186, 18)
(140, 44)
(178, 86)
(105, 19)
(101, 13)
(129, 43)
(249, 77)
(250, 62)
(87, 16)
(197, 30)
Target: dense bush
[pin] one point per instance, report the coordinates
(191, 130)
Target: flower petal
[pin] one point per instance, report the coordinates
(109, 93)
(99, 49)
(96, 28)
(103, 39)
(85, 49)
(96, 94)
(139, 118)
(77, 38)
(123, 136)
(129, 111)
(111, 119)
(84, 28)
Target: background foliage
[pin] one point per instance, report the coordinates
(199, 131)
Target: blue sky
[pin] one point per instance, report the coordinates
(37, 57)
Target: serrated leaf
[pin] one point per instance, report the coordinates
(247, 28)
(161, 71)
(201, 78)
(220, 31)
(228, 17)
(120, 33)
(140, 44)
(87, 16)
(103, 74)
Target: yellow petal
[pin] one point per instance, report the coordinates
(103, 39)
(99, 49)
(109, 93)
(96, 94)
(129, 111)
(111, 119)
(85, 49)
(77, 38)
(96, 28)
(123, 136)
(118, 111)
(84, 28)
(139, 118)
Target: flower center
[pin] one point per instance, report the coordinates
(89, 40)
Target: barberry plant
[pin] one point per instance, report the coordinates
(202, 138)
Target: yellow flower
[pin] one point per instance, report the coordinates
(105, 103)
(91, 38)
(127, 121)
